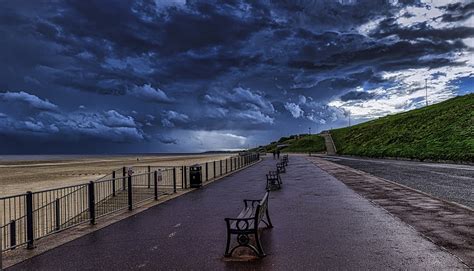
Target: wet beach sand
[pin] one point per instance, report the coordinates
(18, 176)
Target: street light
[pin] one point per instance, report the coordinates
(426, 91)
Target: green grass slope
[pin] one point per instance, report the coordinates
(443, 131)
(302, 143)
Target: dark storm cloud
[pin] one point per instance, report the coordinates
(357, 95)
(458, 12)
(141, 75)
(423, 31)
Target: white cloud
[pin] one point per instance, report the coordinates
(115, 119)
(255, 117)
(242, 98)
(170, 118)
(408, 92)
(469, 42)
(294, 109)
(29, 99)
(150, 94)
(216, 140)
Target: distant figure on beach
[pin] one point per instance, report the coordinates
(278, 154)
(274, 153)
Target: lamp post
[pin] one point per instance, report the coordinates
(426, 91)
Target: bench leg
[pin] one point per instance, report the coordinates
(227, 246)
(260, 251)
(243, 241)
(270, 225)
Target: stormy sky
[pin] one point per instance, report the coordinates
(118, 76)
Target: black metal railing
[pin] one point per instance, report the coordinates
(31, 216)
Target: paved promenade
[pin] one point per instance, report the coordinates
(319, 223)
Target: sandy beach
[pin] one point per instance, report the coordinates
(18, 176)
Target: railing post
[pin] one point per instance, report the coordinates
(124, 175)
(174, 179)
(1, 242)
(113, 183)
(207, 170)
(155, 179)
(130, 199)
(185, 177)
(149, 176)
(58, 215)
(12, 234)
(92, 202)
(220, 172)
(182, 177)
(29, 220)
(214, 169)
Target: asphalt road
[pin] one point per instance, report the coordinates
(453, 182)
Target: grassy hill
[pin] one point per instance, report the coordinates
(300, 143)
(443, 131)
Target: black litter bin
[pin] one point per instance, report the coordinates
(195, 173)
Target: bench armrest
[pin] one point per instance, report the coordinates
(252, 201)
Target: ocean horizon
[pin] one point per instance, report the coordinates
(54, 157)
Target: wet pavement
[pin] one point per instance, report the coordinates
(319, 223)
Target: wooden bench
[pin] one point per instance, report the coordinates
(273, 180)
(246, 224)
(280, 167)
